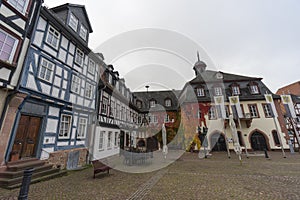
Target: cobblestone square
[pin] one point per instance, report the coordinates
(187, 178)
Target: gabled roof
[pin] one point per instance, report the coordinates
(67, 6)
(159, 97)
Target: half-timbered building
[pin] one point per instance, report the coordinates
(17, 19)
(117, 118)
(59, 83)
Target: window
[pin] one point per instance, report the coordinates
(212, 113)
(101, 140)
(167, 118)
(110, 80)
(104, 105)
(83, 32)
(118, 111)
(267, 110)
(218, 91)
(46, 70)
(235, 90)
(8, 46)
(109, 139)
(297, 108)
(168, 102)
(79, 57)
(123, 113)
(82, 124)
(91, 67)
(65, 126)
(128, 115)
(112, 108)
(53, 37)
(89, 90)
(152, 118)
(200, 92)
(75, 87)
(253, 110)
(152, 103)
(241, 141)
(20, 5)
(276, 138)
(73, 22)
(253, 88)
(116, 139)
(139, 104)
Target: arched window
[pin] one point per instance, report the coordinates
(235, 89)
(200, 92)
(139, 104)
(276, 138)
(152, 103)
(218, 91)
(253, 87)
(168, 102)
(241, 141)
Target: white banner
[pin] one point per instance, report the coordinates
(220, 107)
(235, 105)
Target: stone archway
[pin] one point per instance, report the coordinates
(217, 142)
(258, 141)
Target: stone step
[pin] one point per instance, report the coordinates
(38, 179)
(21, 161)
(20, 166)
(15, 174)
(7, 182)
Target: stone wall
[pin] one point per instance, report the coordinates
(59, 159)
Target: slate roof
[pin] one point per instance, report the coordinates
(208, 79)
(69, 5)
(211, 76)
(159, 97)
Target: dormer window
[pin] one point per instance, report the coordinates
(110, 79)
(83, 32)
(73, 22)
(168, 102)
(218, 91)
(253, 88)
(19, 5)
(139, 104)
(200, 92)
(152, 103)
(235, 89)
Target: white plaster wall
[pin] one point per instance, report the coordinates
(53, 111)
(51, 126)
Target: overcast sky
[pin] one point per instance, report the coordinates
(259, 38)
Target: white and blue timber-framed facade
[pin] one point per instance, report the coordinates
(59, 81)
(17, 21)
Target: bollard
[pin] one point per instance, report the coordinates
(23, 195)
(266, 153)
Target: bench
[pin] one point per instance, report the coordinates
(100, 167)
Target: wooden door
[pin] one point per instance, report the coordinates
(27, 135)
(258, 142)
(218, 140)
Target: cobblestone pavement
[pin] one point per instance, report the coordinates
(188, 178)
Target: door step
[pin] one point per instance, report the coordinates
(12, 176)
